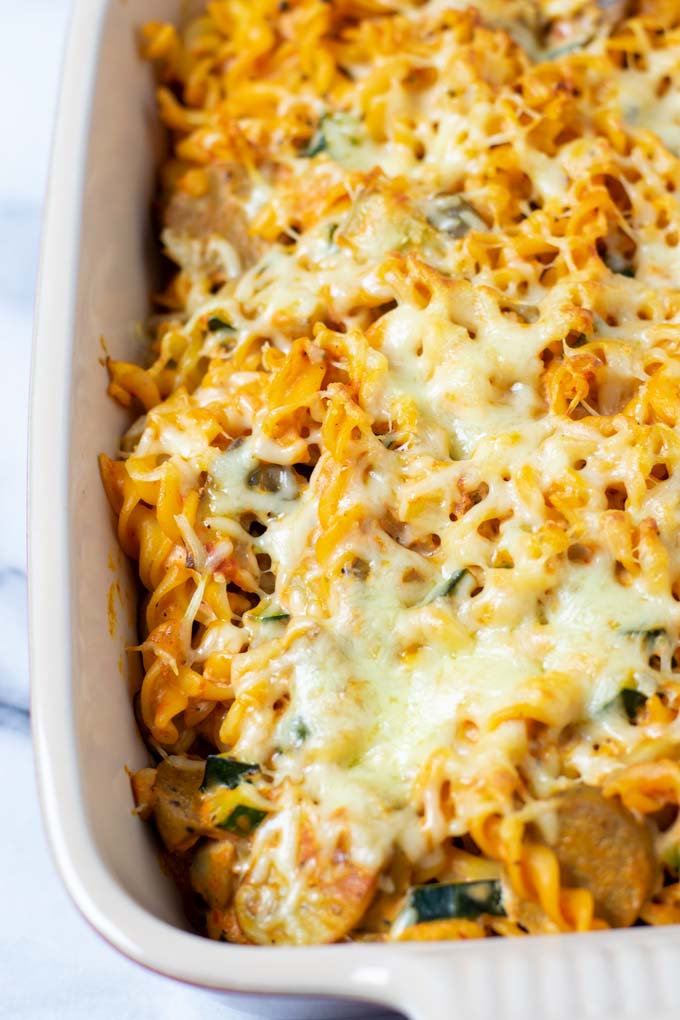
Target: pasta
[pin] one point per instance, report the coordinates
(404, 490)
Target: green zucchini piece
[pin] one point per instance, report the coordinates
(274, 616)
(454, 581)
(447, 588)
(439, 902)
(452, 215)
(215, 323)
(236, 806)
(337, 134)
(243, 820)
(650, 634)
(632, 701)
(274, 478)
(317, 143)
(299, 731)
(221, 771)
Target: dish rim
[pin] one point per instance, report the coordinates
(416, 978)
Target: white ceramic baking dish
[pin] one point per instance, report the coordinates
(95, 281)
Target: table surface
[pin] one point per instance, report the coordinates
(51, 963)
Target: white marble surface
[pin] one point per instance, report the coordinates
(51, 963)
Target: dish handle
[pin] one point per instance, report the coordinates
(510, 980)
(426, 986)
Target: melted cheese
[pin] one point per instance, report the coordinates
(455, 357)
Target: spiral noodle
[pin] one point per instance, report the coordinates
(403, 494)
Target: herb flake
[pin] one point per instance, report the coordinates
(215, 324)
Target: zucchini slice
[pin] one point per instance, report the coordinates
(316, 144)
(439, 902)
(239, 809)
(223, 771)
(230, 801)
(215, 323)
(243, 820)
(299, 730)
(274, 478)
(446, 588)
(337, 134)
(268, 611)
(629, 700)
(452, 215)
(650, 634)
(632, 701)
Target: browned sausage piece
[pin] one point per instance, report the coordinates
(218, 213)
(176, 802)
(601, 847)
(332, 895)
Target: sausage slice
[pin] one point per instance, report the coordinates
(218, 214)
(600, 846)
(176, 802)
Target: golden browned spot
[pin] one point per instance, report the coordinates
(333, 895)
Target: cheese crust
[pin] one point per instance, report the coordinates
(404, 492)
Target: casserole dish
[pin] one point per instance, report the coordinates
(96, 273)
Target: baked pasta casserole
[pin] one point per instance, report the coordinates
(404, 492)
